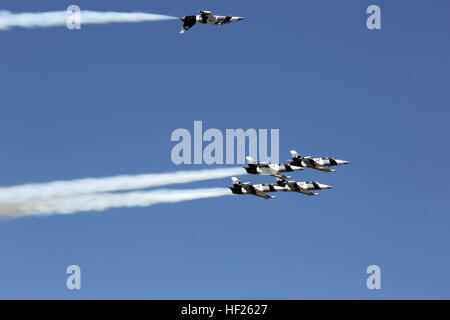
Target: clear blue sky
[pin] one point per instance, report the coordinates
(104, 100)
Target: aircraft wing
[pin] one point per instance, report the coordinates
(295, 187)
(309, 162)
(324, 169)
(280, 176)
(273, 171)
(252, 190)
(262, 194)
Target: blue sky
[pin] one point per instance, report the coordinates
(104, 101)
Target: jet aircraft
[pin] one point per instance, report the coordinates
(206, 17)
(301, 187)
(258, 190)
(321, 164)
(275, 170)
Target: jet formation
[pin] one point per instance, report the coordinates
(206, 17)
(297, 163)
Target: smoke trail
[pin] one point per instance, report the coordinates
(100, 202)
(59, 18)
(117, 183)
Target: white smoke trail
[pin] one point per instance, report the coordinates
(59, 18)
(107, 184)
(100, 202)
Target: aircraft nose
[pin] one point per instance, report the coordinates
(182, 18)
(324, 186)
(343, 162)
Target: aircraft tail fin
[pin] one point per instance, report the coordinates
(294, 154)
(250, 160)
(189, 22)
(235, 180)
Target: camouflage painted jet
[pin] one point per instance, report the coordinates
(258, 190)
(321, 164)
(206, 17)
(275, 170)
(301, 187)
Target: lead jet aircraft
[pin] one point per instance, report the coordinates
(275, 170)
(321, 164)
(258, 190)
(206, 17)
(301, 187)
